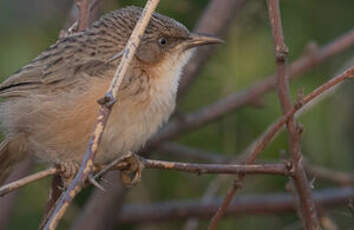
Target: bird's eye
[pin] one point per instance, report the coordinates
(163, 41)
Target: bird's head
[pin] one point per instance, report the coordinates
(164, 39)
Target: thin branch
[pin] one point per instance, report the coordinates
(337, 177)
(80, 18)
(301, 176)
(104, 112)
(307, 210)
(27, 180)
(265, 138)
(84, 14)
(102, 208)
(277, 169)
(7, 203)
(220, 108)
(273, 169)
(225, 204)
(275, 203)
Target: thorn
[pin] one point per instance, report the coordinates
(95, 183)
(312, 183)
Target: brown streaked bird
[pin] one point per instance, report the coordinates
(51, 107)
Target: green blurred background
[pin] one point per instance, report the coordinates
(29, 27)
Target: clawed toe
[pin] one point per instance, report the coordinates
(132, 173)
(68, 171)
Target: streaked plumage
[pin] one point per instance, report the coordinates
(51, 107)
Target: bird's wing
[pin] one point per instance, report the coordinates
(41, 73)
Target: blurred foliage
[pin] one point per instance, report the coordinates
(28, 27)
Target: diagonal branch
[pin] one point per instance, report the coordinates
(264, 140)
(104, 112)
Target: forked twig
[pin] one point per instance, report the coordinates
(288, 113)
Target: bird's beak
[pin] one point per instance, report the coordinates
(198, 39)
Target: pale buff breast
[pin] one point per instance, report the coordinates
(132, 124)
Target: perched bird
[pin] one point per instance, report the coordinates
(51, 103)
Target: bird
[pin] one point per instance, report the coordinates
(50, 105)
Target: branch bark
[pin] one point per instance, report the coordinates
(104, 112)
(288, 113)
(84, 9)
(101, 208)
(276, 203)
(275, 169)
(307, 206)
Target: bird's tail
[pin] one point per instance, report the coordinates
(7, 160)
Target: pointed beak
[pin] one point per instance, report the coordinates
(198, 39)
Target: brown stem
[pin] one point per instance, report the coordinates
(337, 177)
(102, 208)
(84, 14)
(104, 112)
(278, 169)
(7, 202)
(306, 203)
(275, 203)
(264, 140)
(26, 180)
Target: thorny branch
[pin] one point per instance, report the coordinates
(273, 169)
(104, 111)
(83, 13)
(303, 190)
(300, 178)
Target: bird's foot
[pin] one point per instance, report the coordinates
(68, 171)
(131, 173)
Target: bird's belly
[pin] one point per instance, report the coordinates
(129, 127)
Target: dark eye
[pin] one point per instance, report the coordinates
(163, 41)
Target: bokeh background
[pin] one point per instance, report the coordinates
(29, 27)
